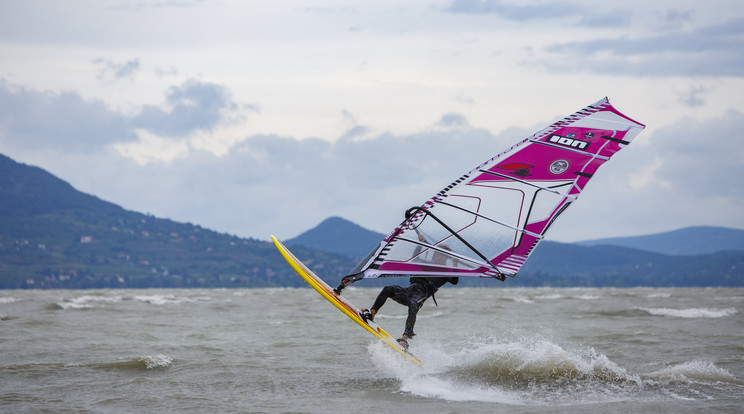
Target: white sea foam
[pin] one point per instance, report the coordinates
(8, 299)
(167, 299)
(86, 301)
(402, 316)
(158, 299)
(157, 361)
(662, 295)
(508, 372)
(692, 371)
(433, 387)
(691, 312)
(587, 297)
(549, 297)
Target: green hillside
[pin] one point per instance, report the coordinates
(53, 236)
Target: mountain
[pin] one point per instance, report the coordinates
(686, 241)
(53, 236)
(567, 264)
(340, 236)
(31, 191)
(562, 264)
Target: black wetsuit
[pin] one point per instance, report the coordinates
(420, 289)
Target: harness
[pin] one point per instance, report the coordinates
(429, 287)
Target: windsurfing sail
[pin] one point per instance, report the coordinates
(488, 222)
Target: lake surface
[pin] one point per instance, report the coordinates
(510, 350)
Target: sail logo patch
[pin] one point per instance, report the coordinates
(517, 168)
(559, 166)
(569, 142)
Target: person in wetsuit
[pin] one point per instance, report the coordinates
(414, 296)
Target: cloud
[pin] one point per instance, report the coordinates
(116, 71)
(62, 121)
(192, 106)
(453, 120)
(464, 99)
(511, 11)
(693, 97)
(67, 122)
(716, 50)
(164, 73)
(684, 174)
(138, 5)
(675, 18)
(282, 185)
(524, 12)
(702, 159)
(353, 129)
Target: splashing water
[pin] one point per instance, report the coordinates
(532, 370)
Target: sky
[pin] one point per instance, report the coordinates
(259, 118)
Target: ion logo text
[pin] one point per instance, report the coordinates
(568, 142)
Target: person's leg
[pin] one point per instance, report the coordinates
(385, 293)
(413, 309)
(395, 292)
(416, 295)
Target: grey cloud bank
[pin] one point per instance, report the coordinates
(284, 185)
(66, 122)
(362, 111)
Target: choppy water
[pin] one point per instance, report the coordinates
(287, 350)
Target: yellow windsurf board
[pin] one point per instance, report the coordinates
(341, 303)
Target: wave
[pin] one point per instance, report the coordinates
(95, 301)
(690, 313)
(587, 297)
(527, 371)
(662, 295)
(420, 316)
(519, 299)
(8, 299)
(693, 371)
(167, 299)
(533, 360)
(159, 299)
(86, 302)
(535, 371)
(532, 298)
(156, 361)
(550, 297)
(147, 362)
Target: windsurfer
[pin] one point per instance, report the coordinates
(420, 289)
(414, 296)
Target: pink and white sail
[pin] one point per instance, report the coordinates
(489, 221)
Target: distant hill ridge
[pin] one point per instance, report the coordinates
(333, 235)
(337, 235)
(686, 241)
(53, 236)
(597, 263)
(31, 190)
